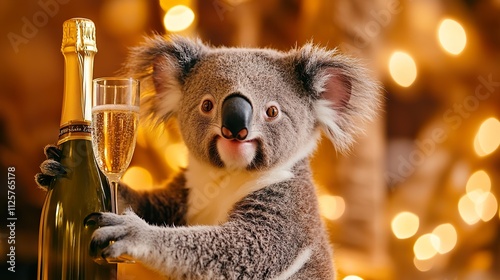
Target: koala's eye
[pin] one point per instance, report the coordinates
(207, 106)
(272, 111)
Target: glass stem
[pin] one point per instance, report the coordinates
(114, 196)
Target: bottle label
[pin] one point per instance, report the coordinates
(74, 130)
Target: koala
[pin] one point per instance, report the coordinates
(246, 206)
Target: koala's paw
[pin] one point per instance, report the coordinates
(117, 234)
(51, 167)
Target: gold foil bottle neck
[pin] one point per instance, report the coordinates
(78, 35)
(78, 48)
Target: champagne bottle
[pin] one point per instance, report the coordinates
(63, 249)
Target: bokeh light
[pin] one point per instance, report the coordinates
(138, 178)
(447, 235)
(176, 156)
(487, 209)
(479, 182)
(352, 277)
(331, 207)
(478, 203)
(167, 4)
(467, 210)
(178, 18)
(425, 246)
(405, 225)
(452, 36)
(423, 265)
(487, 138)
(402, 68)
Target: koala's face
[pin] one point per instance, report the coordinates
(252, 109)
(243, 109)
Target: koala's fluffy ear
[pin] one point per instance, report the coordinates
(344, 94)
(161, 65)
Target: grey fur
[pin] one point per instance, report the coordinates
(272, 229)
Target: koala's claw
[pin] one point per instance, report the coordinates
(51, 167)
(52, 152)
(116, 234)
(107, 219)
(43, 181)
(91, 219)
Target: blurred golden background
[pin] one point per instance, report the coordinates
(418, 196)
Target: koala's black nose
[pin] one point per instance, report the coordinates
(236, 116)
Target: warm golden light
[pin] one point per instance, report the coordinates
(178, 18)
(141, 137)
(479, 203)
(331, 207)
(352, 277)
(425, 246)
(487, 209)
(487, 138)
(167, 4)
(124, 17)
(452, 36)
(483, 260)
(405, 225)
(402, 68)
(479, 182)
(477, 148)
(176, 156)
(423, 265)
(138, 178)
(467, 210)
(447, 235)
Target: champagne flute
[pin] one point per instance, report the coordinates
(115, 116)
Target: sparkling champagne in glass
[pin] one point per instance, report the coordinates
(115, 117)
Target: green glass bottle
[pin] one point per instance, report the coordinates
(63, 248)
